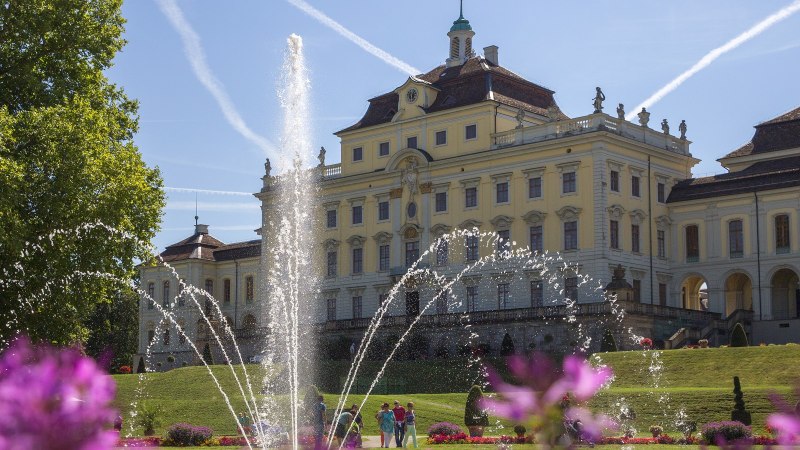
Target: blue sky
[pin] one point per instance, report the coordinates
(629, 48)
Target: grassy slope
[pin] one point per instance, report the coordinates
(699, 381)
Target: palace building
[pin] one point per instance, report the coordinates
(472, 144)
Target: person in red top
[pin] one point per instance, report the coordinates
(399, 423)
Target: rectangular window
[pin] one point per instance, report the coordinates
(412, 252)
(165, 300)
(472, 297)
(441, 137)
(537, 293)
(502, 192)
(661, 189)
(472, 248)
(249, 288)
(166, 337)
(470, 132)
(411, 142)
(537, 243)
(571, 288)
(735, 238)
(614, 234)
(503, 242)
(661, 236)
(535, 187)
(358, 154)
(383, 210)
(471, 197)
(383, 258)
(635, 238)
(358, 214)
(383, 149)
(442, 299)
(210, 286)
(568, 182)
(442, 251)
(357, 307)
(331, 309)
(151, 293)
(662, 294)
(441, 201)
(503, 296)
(332, 257)
(782, 234)
(382, 299)
(637, 290)
(151, 334)
(571, 235)
(635, 186)
(614, 181)
(692, 243)
(331, 218)
(226, 290)
(358, 260)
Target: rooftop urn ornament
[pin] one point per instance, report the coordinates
(520, 117)
(682, 129)
(598, 101)
(321, 156)
(665, 126)
(621, 112)
(644, 117)
(267, 168)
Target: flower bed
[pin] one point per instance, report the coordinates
(462, 438)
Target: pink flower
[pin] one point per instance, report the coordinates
(787, 427)
(54, 399)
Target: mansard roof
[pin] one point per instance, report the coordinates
(203, 246)
(475, 81)
(761, 176)
(779, 133)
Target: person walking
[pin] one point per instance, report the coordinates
(387, 420)
(319, 422)
(399, 424)
(411, 426)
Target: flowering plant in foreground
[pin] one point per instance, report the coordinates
(544, 397)
(54, 399)
(786, 422)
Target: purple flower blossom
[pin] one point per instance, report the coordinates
(786, 422)
(54, 399)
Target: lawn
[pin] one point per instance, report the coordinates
(699, 382)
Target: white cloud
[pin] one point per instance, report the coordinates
(197, 58)
(354, 38)
(709, 58)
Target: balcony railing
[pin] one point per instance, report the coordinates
(588, 124)
(332, 171)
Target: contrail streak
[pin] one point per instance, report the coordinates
(706, 60)
(207, 191)
(356, 39)
(197, 58)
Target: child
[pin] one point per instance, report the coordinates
(411, 425)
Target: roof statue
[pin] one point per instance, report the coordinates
(598, 101)
(520, 117)
(267, 168)
(621, 112)
(644, 117)
(665, 126)
(682, 129)
(552, 112)
(321, 156)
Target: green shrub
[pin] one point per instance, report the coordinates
(507, 346)
(738, 336)
(608, 344)
(474, 415)
(520, 430)
(148, 417)
(731, 431)
(184, 435)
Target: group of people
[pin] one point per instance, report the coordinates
(400, 421)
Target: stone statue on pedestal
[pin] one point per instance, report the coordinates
(321, 156)
(520, 117)
(267, 168)
(598, 101)
(644, 117)
(665, 126)
(621, 112)
(682, 129)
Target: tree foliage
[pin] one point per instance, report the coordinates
(113, 328)
(739, 336)
(67, 165)
(474, 415)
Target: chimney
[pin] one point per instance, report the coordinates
(200, 229)
(490, 53)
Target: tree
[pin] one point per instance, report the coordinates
(76, 199)
(738, 336)
(608, 344)
(474, 415)
(113, 328)
(507, 346)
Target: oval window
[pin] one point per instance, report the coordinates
(412, 210)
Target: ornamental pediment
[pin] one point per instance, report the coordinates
(534, 217)
(469, 224)
(616, 211)
(356, 240)
(502, 221)
(568, 213)
(382, 237)
(331, 244)
(413, 97)
(440, 229)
